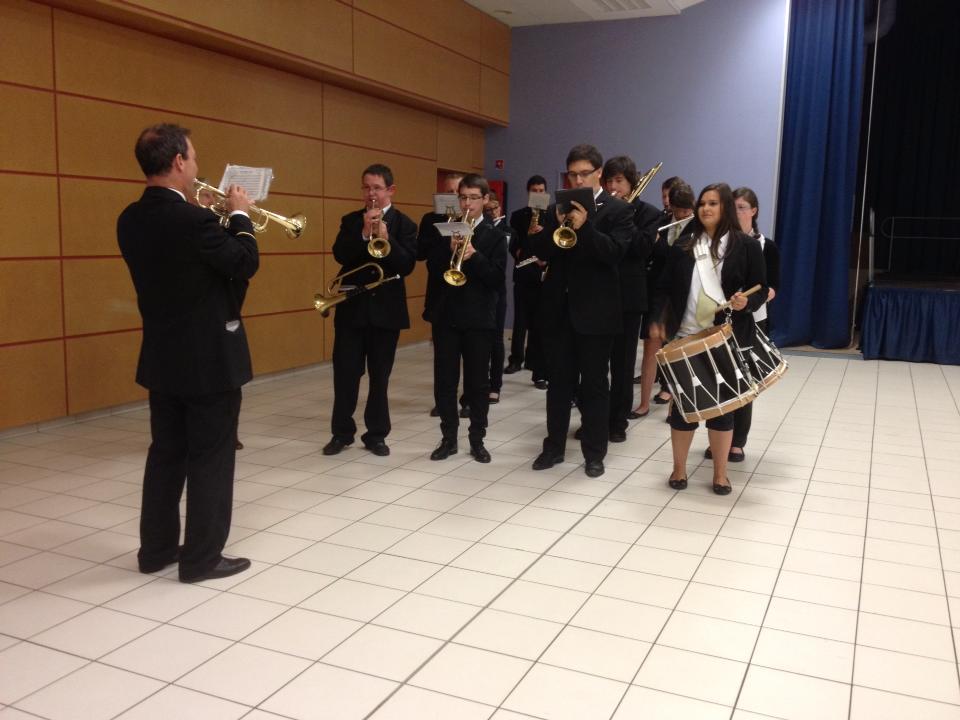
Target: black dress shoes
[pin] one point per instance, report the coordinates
(378, 448)
(510, 369)
(547, 460)
(151, 567)
(678, 484)
(634, 415)
(660, 400)
(434, 412)
(479, 452)
(637, 379)
(445, 449)
(618, 436)
(578, 435)
(593, 468)
(540, 384)
(225, 568)
(335, 446)
(464, 411)
(239, 444)
(721, 489)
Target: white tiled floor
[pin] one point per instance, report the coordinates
(827, 585)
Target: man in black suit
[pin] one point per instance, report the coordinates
(526, 293)
(580, 311)
(369, 324)
(464, 320)
(193, 357)
(493, 211)
(619, 178)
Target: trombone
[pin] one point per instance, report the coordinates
(292, 226)
(455, 275)
(336, 295)
(378, 247)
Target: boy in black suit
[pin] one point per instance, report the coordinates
(464, 321)
(368, 325)
(194, 355)
(580, 311)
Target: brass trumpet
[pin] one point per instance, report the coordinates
(565, 237)
(292, 226)
(378, 247)
(334, 295)
(455, 275)
(534, 221)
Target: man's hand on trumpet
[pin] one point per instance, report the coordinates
(237, 199)
(373, 224)
(468, 251)
(577, 215)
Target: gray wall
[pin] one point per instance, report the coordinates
(701, 91)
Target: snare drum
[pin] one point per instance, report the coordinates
(766, 362)
(707, 374)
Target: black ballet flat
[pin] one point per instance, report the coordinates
(661, 401)
(680, 484)
(722, 489)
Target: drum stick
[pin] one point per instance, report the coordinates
(746, 293)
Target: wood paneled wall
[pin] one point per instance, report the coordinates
(75, 91)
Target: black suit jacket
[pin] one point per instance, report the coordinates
(520, 248)
(185, 268)
(743, 267)
(472, 306)
(435, 250)
(583, 280)
(386, 306)
(633, 268)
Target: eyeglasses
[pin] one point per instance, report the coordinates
(471, 198)
(583, 175)
(743, 208)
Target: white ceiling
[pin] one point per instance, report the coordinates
(518, 13)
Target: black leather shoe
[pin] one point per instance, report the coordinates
(434, 412)
(335, 446)
(578, 435)
(378, 448)
(547, 460)
(239, 444)
(445, 449)
(225, 568)
(510, 369)
(464, 411)
(722, 489)
(661, 400)
(479, 452)
(593, 468)
(736, 457)
(617, 436)
(708, 454)
(494, 398)
(634, 415)
(540, 384)
(148, 568)
(637, 379)
(680, 484)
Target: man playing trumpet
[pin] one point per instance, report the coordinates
(463, 317)
(368, 325)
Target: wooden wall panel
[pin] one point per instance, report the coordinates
(357, 119)
(101, 371)
(495, 44)
(274, 239)
(98, 296)
(455, 145)
(280, 342)
(28, 204)
(416, 179)
(419, 328)
(161, 73)
(30, 306)
(317, 30)
(27, 141)
(89, 210)
(33, 383)
(334, 210)
(449, 23)
(25, 43)
(494, 94)
(284, 282)
(414, 64)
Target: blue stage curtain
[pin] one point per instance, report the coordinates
(914, 324)
(818, 163)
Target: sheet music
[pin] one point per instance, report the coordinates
(453, 228)
(445, 203)
(538, 201)
(256, 181)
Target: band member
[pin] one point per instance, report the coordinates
(619, 178)
(580, 311)
(368, 325)
(464, 321)
(748, 210)
(493, 211)
(193, 357)
(665, 197)
(681, 209)
(526, 293)
(714, 258)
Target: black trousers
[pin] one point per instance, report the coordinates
(354, 350)
(450, 346)
(498, 351)
(572, 356)
(193, 444)
(526, 330)
(518, 336)
(623, 357)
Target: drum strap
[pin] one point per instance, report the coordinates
(711, 292)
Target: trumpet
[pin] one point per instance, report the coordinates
(378, 247)
(335, 295)
(565, 237)
(534, 221)
(292, 226)
(643, 181)
(455, 275)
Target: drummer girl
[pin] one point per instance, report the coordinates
(685, 297)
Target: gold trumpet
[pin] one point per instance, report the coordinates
(454, 275)
(643, 181)
(534, 220)
(292, 226)
(378, 247)
(565, 236)
(334, 295)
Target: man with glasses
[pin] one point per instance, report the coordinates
(580, 311)
(368, 325)
(464, 320)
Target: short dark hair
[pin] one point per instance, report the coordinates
(681, 195)
(381, 170)
(477, 182)
(620, 165)
(750, 196)
(494, 197)
(586, 152)
(158, 146)
(536, 180)
(668, 183)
